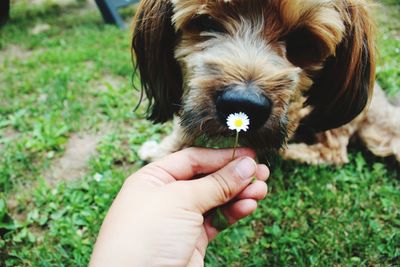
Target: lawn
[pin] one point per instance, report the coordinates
(69, 136)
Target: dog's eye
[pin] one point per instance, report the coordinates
(304, 48)
(205, 23)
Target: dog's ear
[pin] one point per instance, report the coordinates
(344, 87)
(153, 44)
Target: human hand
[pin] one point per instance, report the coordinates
(160, 217)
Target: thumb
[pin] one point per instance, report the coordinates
(220, 187)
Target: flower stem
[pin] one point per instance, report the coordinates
(236, 145)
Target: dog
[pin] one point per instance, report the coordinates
(302, 70)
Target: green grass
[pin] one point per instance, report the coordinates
(58, 84)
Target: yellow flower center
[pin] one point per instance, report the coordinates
(238, 123)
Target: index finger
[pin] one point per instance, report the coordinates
(188, 163)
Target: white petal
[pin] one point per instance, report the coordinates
(238, 116)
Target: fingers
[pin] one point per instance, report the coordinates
(243, 205)
(233, 212)
(220, 187)
(257, 191)
(186, 164)
(239, 209)
(262, 172)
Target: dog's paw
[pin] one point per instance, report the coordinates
(315, 154)
(149, 151)
(301, 153)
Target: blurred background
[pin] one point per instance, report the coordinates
(69, 136)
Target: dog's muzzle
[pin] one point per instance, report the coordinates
(247, 99)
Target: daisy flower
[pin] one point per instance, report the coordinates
(238, 122)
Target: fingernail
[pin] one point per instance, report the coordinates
(246, 168)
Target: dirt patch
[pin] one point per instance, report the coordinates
(108, 81)
(61, 3)
(73, 164)
(396, 100)
(39, 28)
(6, 135)
(14, 52)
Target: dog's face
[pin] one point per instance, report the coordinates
(273, 60)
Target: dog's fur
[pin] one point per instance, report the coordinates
(314, 59)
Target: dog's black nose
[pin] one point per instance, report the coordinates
(247, 99)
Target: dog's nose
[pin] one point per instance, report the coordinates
(247, 99)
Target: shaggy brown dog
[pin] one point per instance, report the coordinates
(297, 68)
